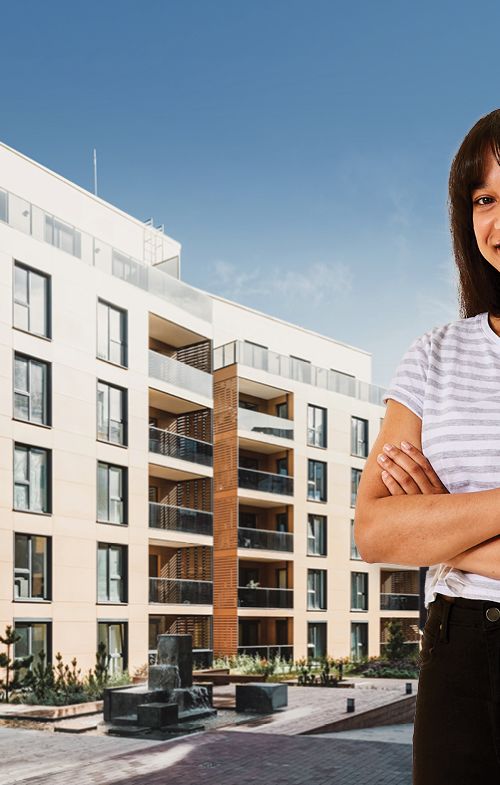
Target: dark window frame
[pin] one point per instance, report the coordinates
(48, 388)
(48, 299)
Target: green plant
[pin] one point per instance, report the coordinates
(395, 647)
(17, 674)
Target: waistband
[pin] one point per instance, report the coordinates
(483, 614)
(466, 602)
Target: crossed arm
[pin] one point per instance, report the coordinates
(408, 471)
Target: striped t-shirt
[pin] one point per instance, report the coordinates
(450, 378)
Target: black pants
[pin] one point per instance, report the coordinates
(456, 738)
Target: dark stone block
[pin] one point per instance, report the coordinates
(262, 698)
(157, 715)
(119, 702)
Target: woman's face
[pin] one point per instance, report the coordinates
(486, 212)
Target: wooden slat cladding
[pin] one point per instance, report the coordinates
(225, 552)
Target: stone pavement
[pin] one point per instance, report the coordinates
(210, 758)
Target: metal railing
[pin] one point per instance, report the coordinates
(174, 445)
(169, 370)
(177, 591)
(265, 481)
(399, 602)
(268, 652)
(264, 598)
(181, 519)
(265, 539)
(267, 424)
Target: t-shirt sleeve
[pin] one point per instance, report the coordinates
(408, 382)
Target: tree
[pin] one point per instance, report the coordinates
(17, 673)
(395, 648)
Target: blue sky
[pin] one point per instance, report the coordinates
(298, 149)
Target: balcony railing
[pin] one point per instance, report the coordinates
(177, 591)
(267, 424)
(180, 519)
(264, 598)
(174, 445)
(180, 374)
(265, 481)
(399, 602)
(291, 368)
(267, 652)
(264, 539)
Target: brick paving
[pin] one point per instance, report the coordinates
(210, 758)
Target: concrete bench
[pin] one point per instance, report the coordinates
(261, 697)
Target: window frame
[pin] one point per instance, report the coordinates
(46, 392)
(123, 314)
(48, 490)
(313, 409)
(124, 490)
(124, 413)
(322, 519)
(320, 589)
(355, 440)
(48, 569)
(316, 497)
(123, 576)
(32, 271)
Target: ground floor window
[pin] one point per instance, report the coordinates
(35, 637)
(359, 640)
(316, 639)
(114, 636)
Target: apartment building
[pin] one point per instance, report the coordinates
(172, 461)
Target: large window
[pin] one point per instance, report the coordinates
(111, 493)
(31, 300)
(31, 567)
(316, 589)
(114, 636)
(316, 639)
(111, 573)
(111, 333)
(31, 389)
(316, 481)
(359, 591)
(354, 550)
(359, 437)
(35, 637)
(63, 236)
(32, 478)
(111, 413)
(355, 479)
(316, 535)
(316, 426)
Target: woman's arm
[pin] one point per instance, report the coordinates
(482, 559)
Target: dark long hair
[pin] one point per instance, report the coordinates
(478, 281)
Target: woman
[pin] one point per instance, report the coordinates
(430, 490)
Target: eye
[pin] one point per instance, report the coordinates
(480, 201)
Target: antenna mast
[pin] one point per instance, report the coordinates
(95, 171)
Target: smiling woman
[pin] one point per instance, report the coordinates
(444, 398)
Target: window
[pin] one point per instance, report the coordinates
(355, 478)
(63, 236)
(316, 482)
(111, 573)
(316, 589)
(31, 567)
(248, 520)
(31, 386)
(35, 637)
(316, 535)
(359, 591)
(359, 640)
(282, 466)
(354, 551)
(111, 333)
(32, 478)
(316, 639)
(31, 300)
(111, 413)
(316, 426)
(114, 636)
(111, 493)
(282, 410)
(359, 437)
(281, 522)
(4, 206)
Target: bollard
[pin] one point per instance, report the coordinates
(409, 688)
(350, 704)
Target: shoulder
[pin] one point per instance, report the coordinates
(448, 334)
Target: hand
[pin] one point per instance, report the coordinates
(407, 471)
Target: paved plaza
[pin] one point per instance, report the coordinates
(31, 757)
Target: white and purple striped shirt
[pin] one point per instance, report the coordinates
(450, 378)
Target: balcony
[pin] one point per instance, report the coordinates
(399, 602)
(181, 519)
(265, 539)
(264, 598)
(166, 369)
(255, 480)
(185, 448)
(264, 424)
(177, 591)
(268, 652)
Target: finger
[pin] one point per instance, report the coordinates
(422, 461)
(412, 467)
(404, 480)
(393, 486)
